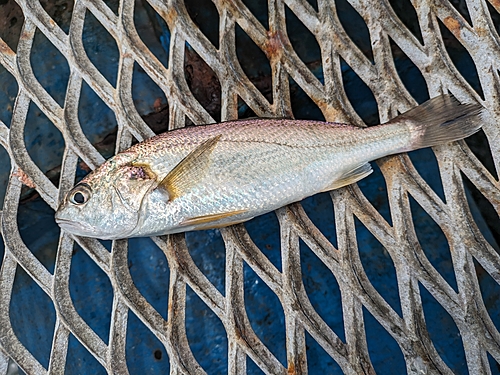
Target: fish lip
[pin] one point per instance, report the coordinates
(72, 226)
(86, 230)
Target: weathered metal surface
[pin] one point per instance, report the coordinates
(415, 274)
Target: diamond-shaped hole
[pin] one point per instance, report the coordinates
(252, 367)
(485, 216)
(318, 360)
(304, 43)
(60, 11)
(82, 170)
(443, 333)
(494, 365)
(204, 14)
(314, 4)
(91, 293)
(461, 6)
(259, 10)
(411, 77)
(2, 252)
(490, 292)
(33, 316)
(378, 265)
(153, 31)
(425, 162)
(44, 142)
(254, 62)
(12, 20)
(149, 100)
(203, 83)
(459, 55)
(359, 95)
(50, 67)
(79, 358)
(106, 243)
(113, 5)
(209, 254)
(319, 209)
(4, 174)
(355, 27)
(149, 270)
(101, 48)
(322, 289)
(495, 16)
(265, 314)
(407, 14)
(39, 231)
(303, 107)
(144, 352)
(8, 93)
(206, 335)
(265, 233)
(374, 189)
(479, 145)
(98, 121)
(433, 242)
(244, 111)
(385, 354)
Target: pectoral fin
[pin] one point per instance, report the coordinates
(351, 177)
(205, 219)
(190, 170)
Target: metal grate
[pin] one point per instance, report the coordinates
(427, 51)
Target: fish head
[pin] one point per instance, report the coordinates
(107, 203)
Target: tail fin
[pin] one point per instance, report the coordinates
(440, 120)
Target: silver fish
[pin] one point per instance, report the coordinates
(216, 175)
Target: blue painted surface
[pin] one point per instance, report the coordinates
(91, 290)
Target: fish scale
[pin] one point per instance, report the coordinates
(215, 175)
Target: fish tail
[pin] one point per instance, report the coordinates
(440, 120)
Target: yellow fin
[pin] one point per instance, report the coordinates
(211, 218)
(190, 170)
(217, 226)
(351, 177)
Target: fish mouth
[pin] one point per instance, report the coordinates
(75, 227)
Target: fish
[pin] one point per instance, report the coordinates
(216, 175)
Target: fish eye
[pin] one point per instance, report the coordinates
(80, 194)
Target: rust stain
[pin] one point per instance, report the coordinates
(170, 15)
(274, 46)
(453, 25)
(157, 105)
(24, 178)
(25, 35)
(5, 49)
(481, 31)
(291, 368)
(84, 167)
(496, 4)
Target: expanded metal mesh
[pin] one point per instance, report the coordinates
(467, 245)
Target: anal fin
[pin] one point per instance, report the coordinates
(206, 219)
(217, 226)
(351, 177)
